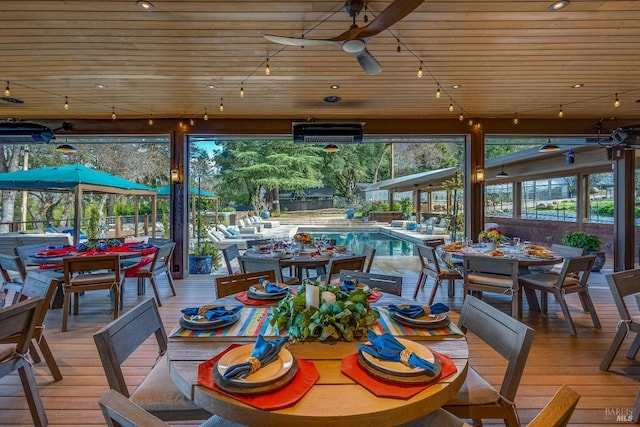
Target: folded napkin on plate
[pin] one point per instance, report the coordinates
(348, 286)
(218, 312)
(264, 352)
(386, 347)
(271, 288)
(415, 311)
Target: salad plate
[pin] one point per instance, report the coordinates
(397, 368)
(198, 323)
(438, 322)
(259, 292)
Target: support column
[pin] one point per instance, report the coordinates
(516, 196)
(178, 206)
(623, 222)
(474, 182)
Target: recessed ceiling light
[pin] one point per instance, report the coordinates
(577, 85)
(100, 86)
(558, 5)
(211, 87)
(145, 5)
(456, 86)
(334, 87)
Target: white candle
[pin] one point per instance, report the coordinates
(328, 297)
(312, 295)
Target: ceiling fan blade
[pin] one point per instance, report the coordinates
(292, 41)
(368, 63)
(392, 14)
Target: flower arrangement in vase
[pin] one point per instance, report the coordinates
(492, 236)
(303, 238)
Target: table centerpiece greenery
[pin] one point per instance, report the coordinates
(348, 318)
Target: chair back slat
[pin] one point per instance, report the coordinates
(121, 337)
(251, 264)
(623, 284)
(162, 256)
(230, 253)
(337, 264)
(369, 252)
(25, 251)
(429, 259)
(75, 265)
(118, 411)
(19, 318)
(8, 264)
(558, 411)
(509, 337)
(386, 283)
(257, 242)
(566, 251)
(433, 242)
(229, 285)
(578, 267)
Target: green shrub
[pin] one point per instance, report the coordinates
(582, 239)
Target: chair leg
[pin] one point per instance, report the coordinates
(48, 357)
(30, 387)
(419, 284)
(152, 280)
(436, 283)
(33, 352)
(116, 301)
(516, 303)
(621, 333)
(452, 288)
(66, 307)
(585, 298)
(567, 315)
(633, 349)
(170, 279)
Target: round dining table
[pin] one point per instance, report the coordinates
(335, 399)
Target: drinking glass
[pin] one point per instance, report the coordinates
(516, 241)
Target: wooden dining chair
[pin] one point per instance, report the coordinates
(385, 282)
(558, 411)
(159, 267)
(38, 285)
(118, 411)
(20, 319)
(232, 284)
(337, 264)
(497, 275)
(571, 280)
(231, 253)
(13, 274)
(433, 242)
(623, 284)
(90, 273)
(431, 268)
(477, 399)
(252, 264)
(369, 252)
(157, 393)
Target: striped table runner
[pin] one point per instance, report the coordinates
(254, 321)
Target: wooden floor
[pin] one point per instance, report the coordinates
(556, 357)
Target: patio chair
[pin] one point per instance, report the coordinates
(20, 319)
(231, 253)
(159, 241)
(385, 282)
(251, 264)
(558, 411)
(369, 252)
(495, 275)
(623, 284)
(38, 285)
(433, 242)
(431, 268)
(229, 285)
(159, 267)
(572, 279)
(25, 251)
(157, 393)
(337, 264)
(90, 273)
(477, 399)
(13, 274)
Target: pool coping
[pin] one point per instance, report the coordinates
(407, 235)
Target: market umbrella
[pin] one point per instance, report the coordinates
(77, 178)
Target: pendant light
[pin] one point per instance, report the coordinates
(502, 173)
(66, 148)
(331, 148)
(548, 147)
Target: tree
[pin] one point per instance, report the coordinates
(10, 162)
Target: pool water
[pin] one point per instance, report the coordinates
(384, 244)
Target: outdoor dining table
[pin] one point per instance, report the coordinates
(335, 399)
(307, 259)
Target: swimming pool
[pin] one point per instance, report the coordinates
(354, 240)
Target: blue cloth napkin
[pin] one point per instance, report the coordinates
(438, 308)
(411, 311)
(348, 286)
(271, 288)
(386, 347)
(215, 313)
(265, 351)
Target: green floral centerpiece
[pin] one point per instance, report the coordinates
(348, 318)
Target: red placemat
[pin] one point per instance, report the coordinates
(245, 299)
(382, 388)
(374, 296)
(288, 395)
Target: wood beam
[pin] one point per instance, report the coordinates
(624, 223)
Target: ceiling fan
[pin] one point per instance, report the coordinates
(355, 38)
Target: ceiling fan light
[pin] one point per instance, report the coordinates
(331, 148)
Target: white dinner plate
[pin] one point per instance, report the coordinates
(398, 367)
(267, 374)
(424, 319)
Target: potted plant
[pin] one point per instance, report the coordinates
(204, 257)
(591, 245)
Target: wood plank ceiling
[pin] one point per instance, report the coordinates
(184, 56)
